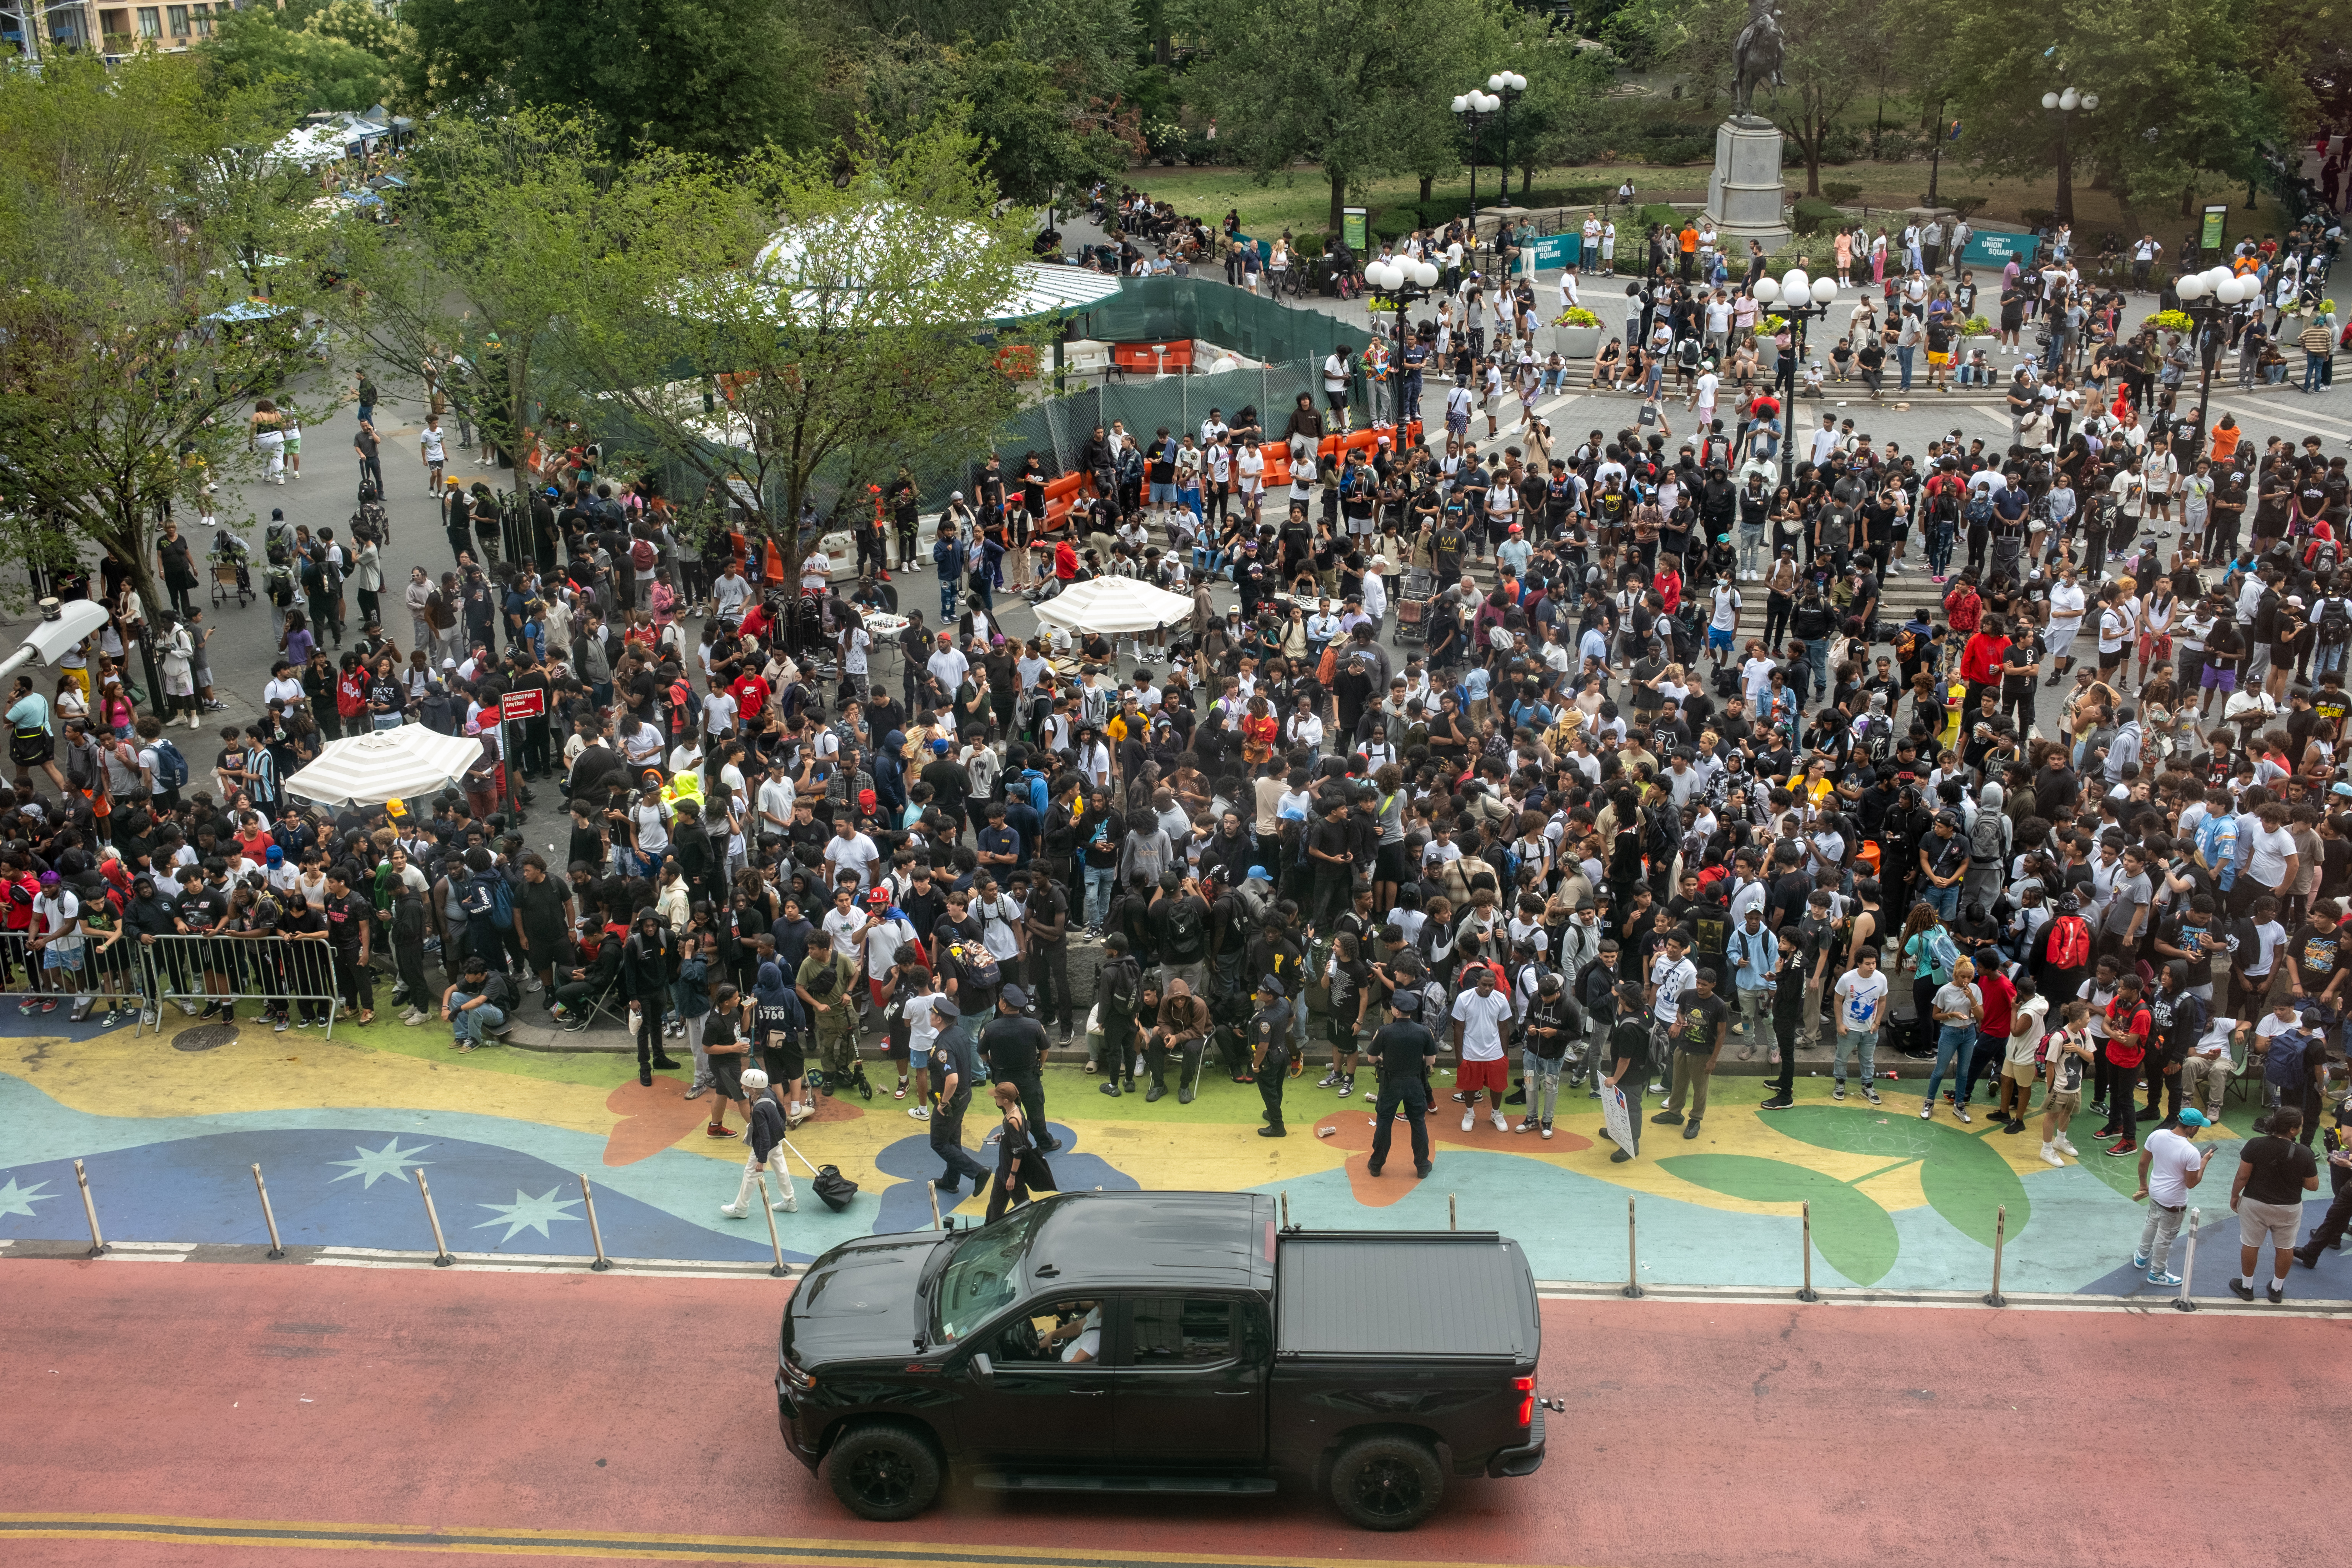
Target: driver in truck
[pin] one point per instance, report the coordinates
(1076, 1339)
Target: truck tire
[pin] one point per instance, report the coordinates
(1387, 1482)
(883, 1472)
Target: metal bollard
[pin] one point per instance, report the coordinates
(1807, 1293)
(1285, 1211)
(276, 1248)
(89, 1207)
(1633, 1263)
(441, 1258)
(774, 1245)
(1452, 1214)
(1999, 1234)
(934, 1193)
(595, 1231)
(2181, 1303)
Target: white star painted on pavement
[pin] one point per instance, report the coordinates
(15, 1199)
(391, 1160)
(530, 1213)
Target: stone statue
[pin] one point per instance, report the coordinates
(1755, 56)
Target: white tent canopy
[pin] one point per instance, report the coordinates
(387, 765)
(829, 264)
(1113, 605)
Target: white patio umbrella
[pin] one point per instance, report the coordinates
(387, 765)
(1115, 605)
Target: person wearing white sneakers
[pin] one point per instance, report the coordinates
(1482, 1027)
(1958, 1009)
(2169, 1165)
(767, 1149)
(2066, 1049)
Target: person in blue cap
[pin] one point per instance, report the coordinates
(1270, 1048)
(2170, 1163)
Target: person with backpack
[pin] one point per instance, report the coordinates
(1118, 993)
(1989, 845)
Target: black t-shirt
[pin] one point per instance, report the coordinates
(1332, 838)
(1012, 1045)
(2280, 1166)
(1700, 1019)
(2317, 953)
(1402, 1049)
(1630, 1042)
(347, 917)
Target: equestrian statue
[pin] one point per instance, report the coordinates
(1755, 56)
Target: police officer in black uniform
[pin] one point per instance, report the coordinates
(1270, 1048)
(1404, 1051)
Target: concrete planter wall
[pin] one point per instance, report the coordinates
(1578, 342)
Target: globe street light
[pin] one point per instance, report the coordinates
(1505, 86)
(2064, 104)
(1403, 280)
(2209, 299)
(1475, 106)
(1799, 299)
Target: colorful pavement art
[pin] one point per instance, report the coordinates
(170, 1124)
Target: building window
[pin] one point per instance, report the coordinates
(151, 22)
(178, 17)
(203, 21)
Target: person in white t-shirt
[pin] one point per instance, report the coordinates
(1482, 1020)
(1861, 995)
(2170, 1163)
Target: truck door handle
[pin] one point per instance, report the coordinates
(1235, 1392)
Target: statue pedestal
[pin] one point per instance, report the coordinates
(1743, 195)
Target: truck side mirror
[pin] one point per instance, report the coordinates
(983, 1370)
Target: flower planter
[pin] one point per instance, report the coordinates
(1577, 342)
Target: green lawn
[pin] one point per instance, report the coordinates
(1299, 199)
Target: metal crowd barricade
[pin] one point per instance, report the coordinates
(201, 970)
(68, 973)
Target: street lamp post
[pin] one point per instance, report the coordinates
(1475, 106)
(1505, 86)
(2063, 102)
(1799, 299)
(1403, 280)
(2207, 298)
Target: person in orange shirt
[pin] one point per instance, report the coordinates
(2226, 436)
(1690, 250)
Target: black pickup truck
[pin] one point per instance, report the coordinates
(1163, 1343)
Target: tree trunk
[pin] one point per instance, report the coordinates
(2188, 200)
(1338, 199)
(1817, 131)
(1426, 181)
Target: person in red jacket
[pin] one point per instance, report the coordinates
(1980, 659)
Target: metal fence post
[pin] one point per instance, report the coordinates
(1632, 1262)
(276, 1248)
(2181, 1303)
(1452, 1214)
(441, 1258)
(595, 1231)
(89, 1207)
(1999, 1234)
(937, 1224)
(1807, 1293)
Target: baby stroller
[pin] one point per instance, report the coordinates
(232, 570)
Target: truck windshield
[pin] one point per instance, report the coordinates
(983, 1275)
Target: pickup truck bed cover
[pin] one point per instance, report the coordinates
(1462, 1294)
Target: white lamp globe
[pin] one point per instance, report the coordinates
(2069, 100)
(1518, 82)
(1493, 102)
(1497, 82)
(2217, 276)
(2090, 101)
(2049, 101)
(2192, 286)
(1795, 286)
(1425, 274)
(2228, 293)
(1768, 290)
(1461, 102)
(1381, 276)
(1824, 290)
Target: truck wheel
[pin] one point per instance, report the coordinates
(1387, 1482)
(883, 1472)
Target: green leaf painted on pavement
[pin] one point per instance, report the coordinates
(1854, 1235)
(1965, 1178)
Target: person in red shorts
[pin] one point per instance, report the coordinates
(1481, 1032)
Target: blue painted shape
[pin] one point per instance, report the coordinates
(201, 1190)
(905, 1205)
(2217, 1261)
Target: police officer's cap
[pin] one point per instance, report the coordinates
(1269, 985)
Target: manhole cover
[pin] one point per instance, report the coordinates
(203, 1037)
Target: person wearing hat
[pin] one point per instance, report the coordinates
(1013, 1047)
(1270, 1051)
(1403, 1052)
(767, 1137)
(2170, 1163)
(955, 1067)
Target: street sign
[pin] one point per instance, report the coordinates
(516, 705)
(1549, 252)
(1991, 249)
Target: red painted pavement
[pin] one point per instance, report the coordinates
(1694, 1435)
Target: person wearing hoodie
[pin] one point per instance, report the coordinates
(767, 1138)
(648, 969)
(1990, 839)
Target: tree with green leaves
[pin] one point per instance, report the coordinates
(1361, 88)
(719, 77)
(778, 332)
(165, 271)
(1833, 51)
(338, 56)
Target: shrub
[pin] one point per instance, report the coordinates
(1976, 327)
(1812, 214)
(1967, 206)
(2037, 217)
(1585, 196)
(1655, 212)
(1839, 193)
(1577, 315)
